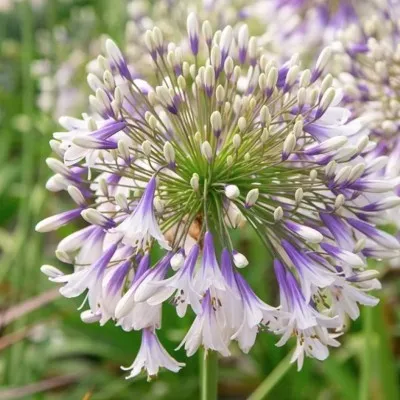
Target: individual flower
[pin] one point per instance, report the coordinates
(207, 329)
(302, 320)
(207, 143)
(151, 357)
(142, 224)
(182, 285)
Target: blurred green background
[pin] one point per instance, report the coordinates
(46, 352)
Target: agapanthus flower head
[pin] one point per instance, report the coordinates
(304, 26)
(369, 56)
(216, 140)
(367, 67)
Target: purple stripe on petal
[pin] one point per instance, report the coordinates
(190, 262)
(143, 266)
(194, 44)
(118, 278)
(381, 237)
(101, 264)
(109, 130)
(57, 221)
(226, 266)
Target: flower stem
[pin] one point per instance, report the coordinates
(209, 375)
(272, 379)
(366, 362)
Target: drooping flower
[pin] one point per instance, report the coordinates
(151, 357)
(182, 285)
(134, 313)
(220, 141)
(207, 329)
(256, 315)
(141, 225)
(302, 320)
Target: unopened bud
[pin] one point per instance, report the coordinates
(298, 196)
(313, 175)
(264, 136)
(278, 214)
(252, 197)
(146, 147)
(194, 182)
(216, 123)
(242, 123)
(265, 116)
(103, 187)
(220, 94)
(305, 78)
(206, 150)
(169, 153)
(339, 201)
(298, 128)
(237, 141)
(76, 195)
(121, 201)
(288, 145)
(239, 260)
(323, 59)
(123, 149)
(232, 192)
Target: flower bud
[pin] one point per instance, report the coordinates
(123, 150)
(94, 217)
(305, 78)
(239, 259)
(236, 141)
(169, 153)
(146, 147)
(220, 94)
(76, 195)
(298, 196)
(121, 201)
(232, 192)
(242, 124)
(278, 214)
(207, 32)
(252, 197)
(288, 146)
(216, 123)
(206, 150)
(339, 201)
(194, 182)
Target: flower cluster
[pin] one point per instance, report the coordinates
(303, 26)
(215, 137)
(368, 59)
